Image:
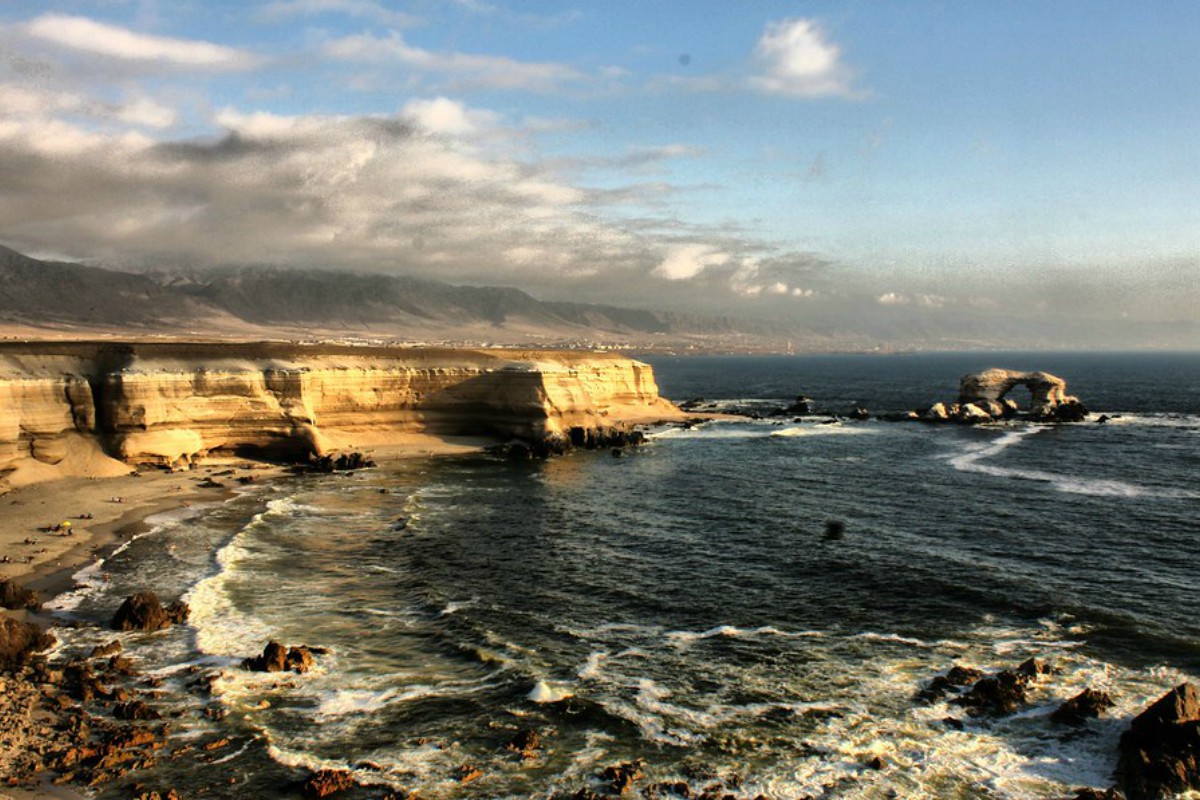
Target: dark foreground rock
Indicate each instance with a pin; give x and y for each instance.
(525, 743)
(327, 782)
(557, 444)
(1088, 704)
(277, 658)
(1160, 753)
(957, 677)
(141, 612)
(341, 463)
(19, 641)
(992, 695)
(15, 597)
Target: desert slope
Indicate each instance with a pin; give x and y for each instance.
(79, 408)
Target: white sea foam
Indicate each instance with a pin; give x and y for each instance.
(972, 461)
(290, 507)
(684, 637)
(826, 430)
(91, 577)
(550, 692)
(1186, 421)
(716, 431)
(220, 628)
(591, 668)
(454, 606)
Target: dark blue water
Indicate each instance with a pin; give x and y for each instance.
(680, 604)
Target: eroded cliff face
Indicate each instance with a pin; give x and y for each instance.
(172, 403)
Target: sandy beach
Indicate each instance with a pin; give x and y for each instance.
(52, 529)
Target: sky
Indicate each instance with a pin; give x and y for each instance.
(784, 159)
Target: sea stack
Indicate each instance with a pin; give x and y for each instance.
(982, 397)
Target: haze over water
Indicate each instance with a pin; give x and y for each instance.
(680, 605)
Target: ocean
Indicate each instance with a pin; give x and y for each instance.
(681, 604)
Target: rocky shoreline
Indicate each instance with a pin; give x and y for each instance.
(94, 720)
(91, 719)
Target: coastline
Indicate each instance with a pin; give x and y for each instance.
(25, 720)
(31, 508)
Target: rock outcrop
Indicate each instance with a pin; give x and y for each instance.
(278, 658)
(1088, 704)
(144, 612)
(15, 597)
(19, 641)
(982, 397)
(1160, 753)
(94, 408)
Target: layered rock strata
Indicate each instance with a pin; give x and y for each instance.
(88, 408)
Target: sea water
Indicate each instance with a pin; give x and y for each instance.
(681, 604)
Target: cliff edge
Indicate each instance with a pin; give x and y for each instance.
(80, 408)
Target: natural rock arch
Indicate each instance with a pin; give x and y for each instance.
(993, 384)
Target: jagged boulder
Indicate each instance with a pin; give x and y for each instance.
(1088, 704)
(1004, 692)
(1160, 753)
(972, 413)
(935, 413)
(141, 612)
(620, 778)
(177, 612)
(19, 641)
(326, 782)
(957, 676)
(341, 463)
(15, 597)
(277, 658)
(802, 407)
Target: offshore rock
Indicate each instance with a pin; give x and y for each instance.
(525, 743)
(1160, 753)
(277, 658)
(1088, 704)
(141, 612)
(326, 782)
(1049, 400)
(1004, 692)
(802, 407)
(981, 398)
(621, 777)
(957, 676)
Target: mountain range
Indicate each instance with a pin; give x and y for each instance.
(55, 298)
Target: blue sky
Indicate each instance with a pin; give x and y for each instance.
(782, 157)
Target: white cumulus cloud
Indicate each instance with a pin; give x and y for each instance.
(689, 260)
(452, 117)
(797, 60)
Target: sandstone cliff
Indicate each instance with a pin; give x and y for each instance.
(95, 408)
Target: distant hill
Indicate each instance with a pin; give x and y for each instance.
(35, 292)
(66, 299)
